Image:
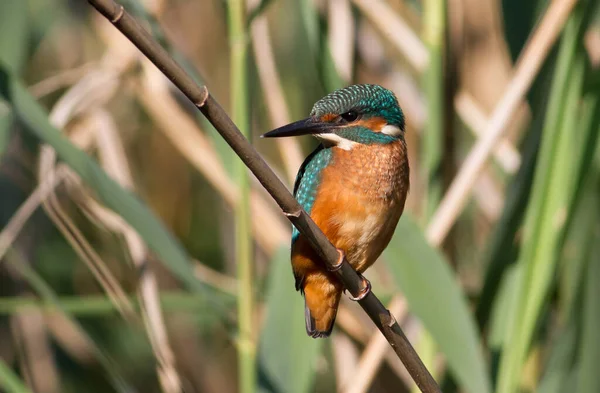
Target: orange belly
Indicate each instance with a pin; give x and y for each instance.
(360, 199)
(359, 227)
(357, 206)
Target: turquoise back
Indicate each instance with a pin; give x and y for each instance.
(308, 180)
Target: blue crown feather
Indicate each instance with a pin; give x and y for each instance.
(369, 100)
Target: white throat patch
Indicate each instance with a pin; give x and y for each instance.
(334, 139)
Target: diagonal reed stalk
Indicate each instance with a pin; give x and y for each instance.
(279, 113)
(113, 158)
(406, 41)
(526, 70)
(10, 381)
(200, 96)
(193, 144)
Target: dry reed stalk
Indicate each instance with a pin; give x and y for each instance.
(114, 161)
(397, 31)
(475, 119)
(354, 326)
(37, 364)
(77, 240)
(215, 278)
(80, 137)
(489, 197)
(19, 219)
(374, 351)
(527, 68)
(270, 82)
(183, 132)
(341, 37)
(345, 359)
(60, 80)
(95, 88)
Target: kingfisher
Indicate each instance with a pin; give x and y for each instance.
(353, 185)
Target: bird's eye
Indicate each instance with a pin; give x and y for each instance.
(349, 116)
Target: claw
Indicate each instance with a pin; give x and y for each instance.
(364, 291)
(339, 262)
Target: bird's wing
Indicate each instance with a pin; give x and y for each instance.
(305, 187)
(302, 169)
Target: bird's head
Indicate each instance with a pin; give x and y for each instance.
(363, 114)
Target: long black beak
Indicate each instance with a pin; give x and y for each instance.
(301, 127)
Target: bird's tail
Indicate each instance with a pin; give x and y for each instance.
(321, 301)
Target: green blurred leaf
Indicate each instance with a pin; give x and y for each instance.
(502, 249)
(560, 368)
(328, 73)
(563, 367)
(331, 79)
(45, 292)
(589, 357)
(576, 251)
(435, 297)
(434, 149)
(505, 302)
(560, 168)
(6, 120)
(9, 381)
(14, 34)
(13, 50)
(287, 355)
(29, 112)
(310, 21)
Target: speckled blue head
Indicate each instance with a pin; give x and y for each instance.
(365, 114)
(367, 101)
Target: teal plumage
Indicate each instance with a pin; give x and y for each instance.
(364, 136)
(308, 179)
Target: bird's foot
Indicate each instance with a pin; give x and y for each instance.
(339, 262)
(366, 289)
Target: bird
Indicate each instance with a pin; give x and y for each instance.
(353, 185)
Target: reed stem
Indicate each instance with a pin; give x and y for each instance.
(243, 236)
(433, 136)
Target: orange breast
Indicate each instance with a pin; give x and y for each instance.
(361, 198)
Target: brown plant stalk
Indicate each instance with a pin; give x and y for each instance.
(200, 96)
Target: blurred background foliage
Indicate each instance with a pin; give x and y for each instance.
(137, 255)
